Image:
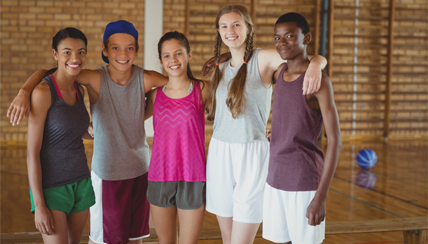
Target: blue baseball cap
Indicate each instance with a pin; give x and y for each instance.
(120, 26)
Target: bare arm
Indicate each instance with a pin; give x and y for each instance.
(153, 79)
(204, 91)
(316, 210)
(89, 135)
(20, 105)
(40, 101)
(91, 79)
(269, 60)
(148, 111)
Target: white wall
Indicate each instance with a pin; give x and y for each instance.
(153, 31)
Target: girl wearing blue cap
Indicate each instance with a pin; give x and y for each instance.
(60, 181)
(121, 154)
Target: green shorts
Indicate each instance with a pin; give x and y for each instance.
(71, 198)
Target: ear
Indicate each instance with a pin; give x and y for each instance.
(104, 51)
(190, 55)
(307, 38)
(55, 54)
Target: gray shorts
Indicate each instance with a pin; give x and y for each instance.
(183, 194)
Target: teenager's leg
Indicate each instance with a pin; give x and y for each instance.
(60, 231)
(225, 224)
(139, 241)
(244, 232)
(75, 225)
(165, 221)
(190, 224)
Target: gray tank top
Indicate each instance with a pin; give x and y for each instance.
(62, 155)
(251, 124)
(120, 148)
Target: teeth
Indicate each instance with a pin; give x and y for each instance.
(231, 38)
(122, 62)
(174, 67)
(73, 66)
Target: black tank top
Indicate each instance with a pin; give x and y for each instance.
(62, 155)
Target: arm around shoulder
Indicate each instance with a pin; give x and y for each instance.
(20, 105)
(153, 79)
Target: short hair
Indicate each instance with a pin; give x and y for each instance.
(297, 18)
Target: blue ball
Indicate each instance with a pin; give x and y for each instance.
(366, 158)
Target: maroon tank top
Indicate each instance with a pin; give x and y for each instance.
(296, 162)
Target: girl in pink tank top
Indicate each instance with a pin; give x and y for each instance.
(177, 166)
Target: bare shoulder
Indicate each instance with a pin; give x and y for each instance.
(326, 90)
(325, 80)
(42, 89)
(41, 95)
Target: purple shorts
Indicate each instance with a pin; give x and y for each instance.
(121, 212)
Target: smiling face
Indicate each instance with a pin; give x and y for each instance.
(71, 55)
(233, 30)
(290, 40)
(121, 51)
(174, 58)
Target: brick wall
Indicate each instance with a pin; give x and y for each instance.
(27, 28)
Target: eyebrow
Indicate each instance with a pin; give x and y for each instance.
(117, 44)
(178, 50)
(66, 48)
(232, 22)
(288, 32)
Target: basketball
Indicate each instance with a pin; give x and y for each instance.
(366, 179)
(366, 158)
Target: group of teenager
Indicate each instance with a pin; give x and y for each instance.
(278, 176)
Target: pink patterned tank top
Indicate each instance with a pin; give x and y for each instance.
(178, 152)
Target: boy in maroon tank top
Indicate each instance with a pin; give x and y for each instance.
(299, 175)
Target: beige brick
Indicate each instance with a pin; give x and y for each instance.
(45, 16)
(44, 3)
(62, 16)
(36, 10)
(9, 3)
(127, 5)
(76, 4)
(62, 4)
(53, 10)
(111, 5)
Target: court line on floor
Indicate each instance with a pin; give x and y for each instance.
(367, 203)
(386, 194)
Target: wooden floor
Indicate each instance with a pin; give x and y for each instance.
(399, 189)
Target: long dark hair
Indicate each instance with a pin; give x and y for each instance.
(62, 35)
(180, 37)
(235, 100)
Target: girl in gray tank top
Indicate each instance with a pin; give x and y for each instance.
(58, 173)
(239, 103)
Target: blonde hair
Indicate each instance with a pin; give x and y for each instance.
(235, 100)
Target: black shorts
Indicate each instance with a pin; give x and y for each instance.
(183, 194)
